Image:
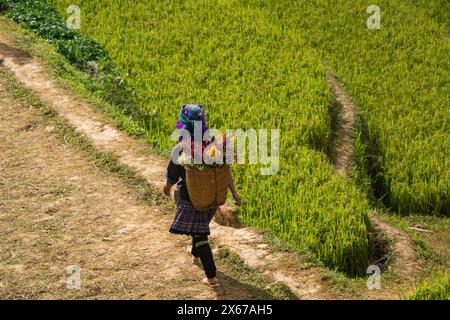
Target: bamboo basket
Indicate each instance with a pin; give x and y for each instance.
(208, 187)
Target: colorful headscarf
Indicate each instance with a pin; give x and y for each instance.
(189, 113)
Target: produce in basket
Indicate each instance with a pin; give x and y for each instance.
(207, 182)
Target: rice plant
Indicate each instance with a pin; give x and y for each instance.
(437, 287)
(398, 76)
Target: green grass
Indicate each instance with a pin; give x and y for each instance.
(432, 249)
(398, 76)
(431, 245)
(244, 69)
(435, 288)
(250, 72)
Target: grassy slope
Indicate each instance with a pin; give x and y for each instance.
(409, 161)
(435, 288)
(407, 132)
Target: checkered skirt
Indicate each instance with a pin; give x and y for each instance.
(191, 221)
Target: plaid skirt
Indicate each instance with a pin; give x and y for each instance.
(191, 221)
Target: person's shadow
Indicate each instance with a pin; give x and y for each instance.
(232, 289)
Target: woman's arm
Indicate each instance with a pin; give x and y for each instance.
(173, 175)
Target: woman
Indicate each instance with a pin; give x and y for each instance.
(188, 220)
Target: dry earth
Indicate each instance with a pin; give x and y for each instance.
(57, 209)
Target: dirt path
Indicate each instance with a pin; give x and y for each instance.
(405, 262)
(249, 245)
(343, 125)
(405, 259)
(57, 209)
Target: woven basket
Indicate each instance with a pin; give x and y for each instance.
(207, 187)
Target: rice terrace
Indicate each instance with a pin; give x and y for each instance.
(328, 123)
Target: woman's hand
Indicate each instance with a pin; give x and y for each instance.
(237, 198)
(166, 189)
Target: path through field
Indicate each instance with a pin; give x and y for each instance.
(405, 262)
(59, 210)
(280, 266)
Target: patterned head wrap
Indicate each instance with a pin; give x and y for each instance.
(189, 113)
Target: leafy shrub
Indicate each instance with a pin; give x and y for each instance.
(40, 17)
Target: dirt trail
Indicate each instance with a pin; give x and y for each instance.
(343, 122)
(248, 244)
(57, 209)
(405, 260)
